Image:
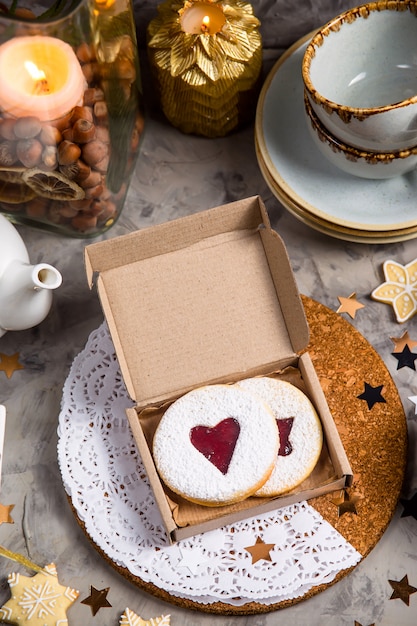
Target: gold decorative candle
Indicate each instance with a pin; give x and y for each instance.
(206, 59)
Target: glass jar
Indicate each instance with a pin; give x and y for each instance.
(71, 114)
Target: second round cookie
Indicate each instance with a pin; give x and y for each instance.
(301, 435)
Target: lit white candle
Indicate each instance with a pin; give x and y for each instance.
(202, 18)
(39, 76)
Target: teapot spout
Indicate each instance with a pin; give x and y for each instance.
(45, 276)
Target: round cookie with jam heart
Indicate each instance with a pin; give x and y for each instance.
(301, 435)
(216, 445)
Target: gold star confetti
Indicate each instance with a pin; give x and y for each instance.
(129, 618)
(401, 342)
(260, 550)
(10, 363)
(399, 289)
(97, 599)
(346, 503)
(349, 305)
(38, 600)
(5, 510)
(402, 590)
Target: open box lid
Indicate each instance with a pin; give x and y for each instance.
(205, 298)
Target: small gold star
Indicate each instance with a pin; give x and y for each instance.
(260, 550)
(402, 589)
(97, 599)
(346, 503)
(349, 305)
(10, 363)
(401, 342)
(5, 510)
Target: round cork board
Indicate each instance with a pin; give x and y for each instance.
(375, 441)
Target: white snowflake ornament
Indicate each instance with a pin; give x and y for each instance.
(129, 618)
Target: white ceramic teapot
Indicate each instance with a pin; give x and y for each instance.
(25, 289)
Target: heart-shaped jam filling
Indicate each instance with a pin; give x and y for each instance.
(217, 443)
(284, 428)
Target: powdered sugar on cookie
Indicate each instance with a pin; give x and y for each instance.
(216, 445)
(302, 431)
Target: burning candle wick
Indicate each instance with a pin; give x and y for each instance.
(41, 87)
(40, 84)
(205, 25)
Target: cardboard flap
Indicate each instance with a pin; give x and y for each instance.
(170, 236)
(199, 300)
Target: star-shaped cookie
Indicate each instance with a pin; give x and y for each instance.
(129, 618)
(38, 600)
(399, 289)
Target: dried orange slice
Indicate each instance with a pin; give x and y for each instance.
(53, 185)
(12, 174)
(15, 193)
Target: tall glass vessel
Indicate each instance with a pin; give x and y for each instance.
(71, 114)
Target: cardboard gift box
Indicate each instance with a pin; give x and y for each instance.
(208, 298)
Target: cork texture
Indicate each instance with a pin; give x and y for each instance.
(375, 440)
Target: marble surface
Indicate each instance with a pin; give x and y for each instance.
(177, 175)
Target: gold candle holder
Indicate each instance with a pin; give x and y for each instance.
(206, 59)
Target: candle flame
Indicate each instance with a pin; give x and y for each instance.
(40, 84)
(205, 25)
(34, 71)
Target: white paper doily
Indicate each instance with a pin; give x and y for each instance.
(106, 481)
